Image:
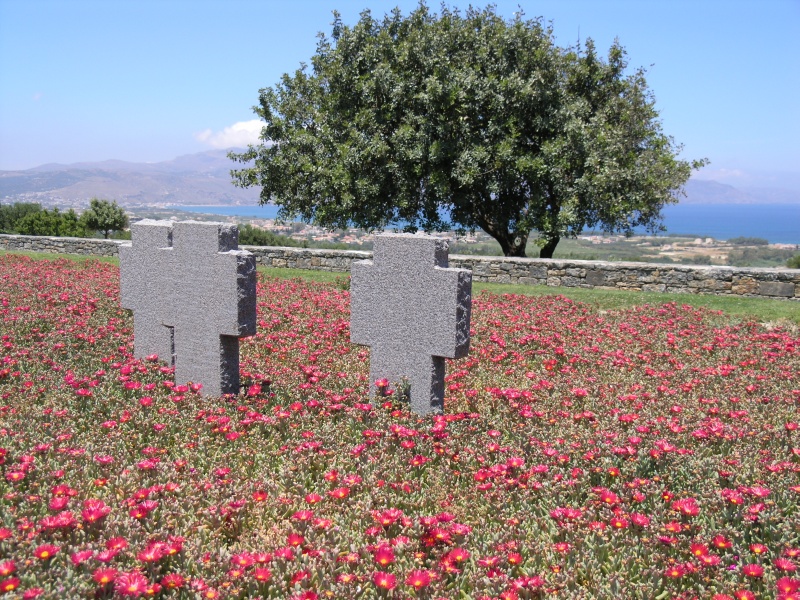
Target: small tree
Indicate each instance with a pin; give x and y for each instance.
(11, 214)
(53, 223)
(104, 216)
(468, 121)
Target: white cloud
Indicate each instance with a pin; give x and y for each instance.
(237, 135)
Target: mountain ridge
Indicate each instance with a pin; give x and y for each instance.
(203, 178)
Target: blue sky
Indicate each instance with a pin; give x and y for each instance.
(150, 80)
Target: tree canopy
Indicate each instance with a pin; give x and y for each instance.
(464, 121)
(104, 216)
(51, 222)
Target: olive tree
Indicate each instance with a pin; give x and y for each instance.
(465, 121)
(104, 216)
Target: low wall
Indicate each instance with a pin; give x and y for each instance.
(647, 277)
(59, 245)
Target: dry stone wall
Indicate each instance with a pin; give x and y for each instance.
(59, 245)
(648, 277)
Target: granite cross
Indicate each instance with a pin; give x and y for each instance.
(413, 311)
(193, 294)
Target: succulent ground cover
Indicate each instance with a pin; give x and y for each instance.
(644, 453)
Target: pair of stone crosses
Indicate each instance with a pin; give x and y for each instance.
(193, 293)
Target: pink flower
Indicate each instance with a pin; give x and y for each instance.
(46, 551)
(9, 585)
(173, 581)
(385, 581)
(104, 576)
(687, 507)
(419, 579)
(384, 556)
(131, 584)
(753, 570)
(787, 585)
(81, 557)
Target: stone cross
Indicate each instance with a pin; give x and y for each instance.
(193, 294)
(413, 311)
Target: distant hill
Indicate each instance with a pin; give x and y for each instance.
(702, 191)
(204, 179)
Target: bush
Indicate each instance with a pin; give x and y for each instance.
(748, 241)
(763, 256)
(11, 214)
(794, 262)
(255, 236)
(51, 222)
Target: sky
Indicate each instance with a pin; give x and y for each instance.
(151, 80)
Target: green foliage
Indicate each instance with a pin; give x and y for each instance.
(759, 256)
(255, 236)
(104, 216)
(52, 223)
(794, 262)
(748, 241)
(11, 214)
(411, 118)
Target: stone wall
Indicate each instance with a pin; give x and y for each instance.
(648, 277)
(59, 245)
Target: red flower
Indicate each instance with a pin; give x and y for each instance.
(784, 564)
(674, 572)
(46, 551)
(9, 585)
(154, 552)
(243, 559)
(81, 557)
(339, 493)
(384, 555)
(458, 555)
(753, 570)
(787, 585)
(687, 507)
(104, 576)
(618, 523)
(419, 579)
(295, 539)
(721, 542)
(262, 574)
(173, 581)
(710, 560)
(131, 584)
(385, 581)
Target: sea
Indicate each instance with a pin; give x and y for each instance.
(777, 223)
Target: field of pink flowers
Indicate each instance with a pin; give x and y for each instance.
(649, 453)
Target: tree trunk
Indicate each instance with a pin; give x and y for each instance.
(549, 247)
(512, 244)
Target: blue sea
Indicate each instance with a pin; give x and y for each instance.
(778, 223)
